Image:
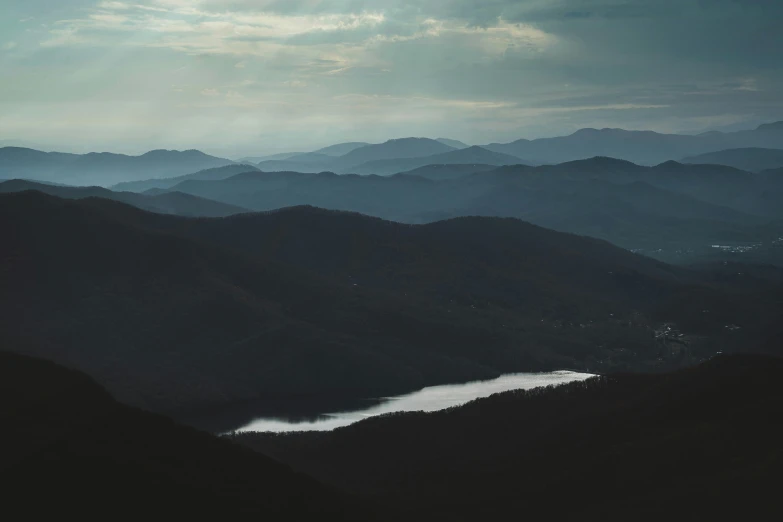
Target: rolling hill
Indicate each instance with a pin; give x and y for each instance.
(103, 168)
(445, 172)
(643, 147)
(66, 440)
(341, 149)
(392, 149)
(673, 211)
(471, 156)
(216, 173)
(453, 143)
(176, 314)
(749, 159)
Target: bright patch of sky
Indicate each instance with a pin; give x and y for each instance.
(246, 77)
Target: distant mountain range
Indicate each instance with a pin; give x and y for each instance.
(751, 159)
(453, 143)
(470, 156)
(439, 172)
(398, 155)
(102, 168)
(642, 147)
(673, 211)
(213, 174)
(341, 149)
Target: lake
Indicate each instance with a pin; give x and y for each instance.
(432, 398)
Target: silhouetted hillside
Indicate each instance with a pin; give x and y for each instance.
(176, 314)
(470, 155)
(69, 448)
(102, 168)
(171, 324)
(166, 203)
(673, 211)
(643, 147)
(444, 172)
(216, 173)
(696, 444)
(750, 159)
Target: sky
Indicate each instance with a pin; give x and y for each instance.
(245, 77)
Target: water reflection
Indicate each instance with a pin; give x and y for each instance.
(428, 399)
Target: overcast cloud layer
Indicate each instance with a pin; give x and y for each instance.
(246, 77)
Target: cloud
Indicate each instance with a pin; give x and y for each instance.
(494, 69)
(63, 37)
(8, 46)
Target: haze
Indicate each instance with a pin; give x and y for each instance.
(245, 77)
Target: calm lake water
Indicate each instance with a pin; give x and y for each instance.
(428, 399)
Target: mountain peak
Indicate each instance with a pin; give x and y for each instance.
(670, 163)
(166, 152)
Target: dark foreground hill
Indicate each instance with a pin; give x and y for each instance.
(175, 314)
(699, 444)
(68, 449)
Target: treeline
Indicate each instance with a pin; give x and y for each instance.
(698, 443)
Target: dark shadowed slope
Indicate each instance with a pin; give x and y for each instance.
(177, 203)
(171, 324)
(750, 159)
(308, 302)
(504, 270)
(216, 173)
(69, 448)
(470, 155)
(700, 444)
